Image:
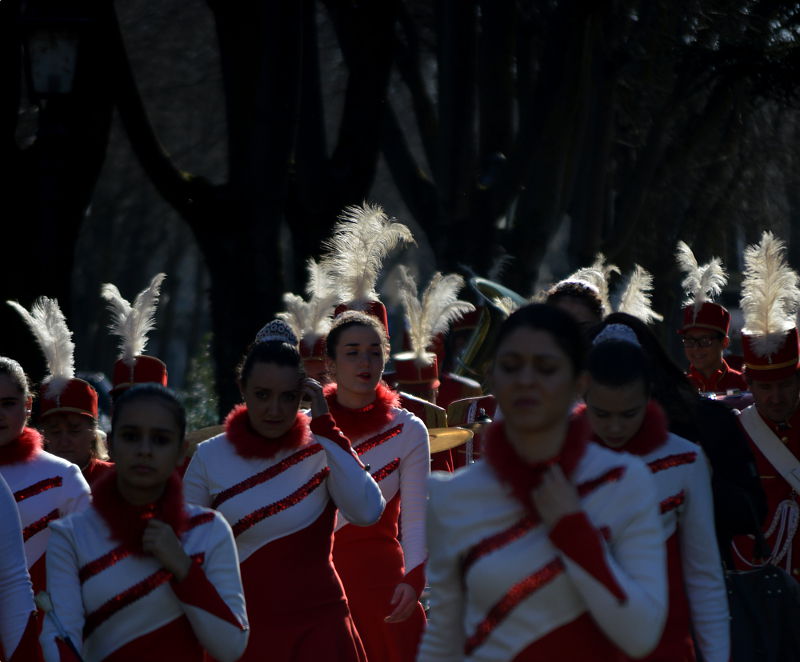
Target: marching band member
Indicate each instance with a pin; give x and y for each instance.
(770, 294)
(18, 628)
(551, 546)
(624, 418)
(132, 321)
(584, 293)
(141, 574)
(706, 325)
(279, 476)
(45, 486)
(383, 579)
(382, 566)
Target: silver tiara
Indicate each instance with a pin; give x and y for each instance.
(276, 331)
(617, 332)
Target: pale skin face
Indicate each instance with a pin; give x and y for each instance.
(146, 447)
(358, 366)
(272, 394)
(616, 413)
(776, 401)
(70, 436)
(705, 359)
(14, 410)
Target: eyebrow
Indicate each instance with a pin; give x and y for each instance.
(358, 344)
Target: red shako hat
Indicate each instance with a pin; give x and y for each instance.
(701, 284)
(770, 295)
(132, 322)
(60, 391)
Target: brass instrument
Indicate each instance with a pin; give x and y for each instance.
(474, 359)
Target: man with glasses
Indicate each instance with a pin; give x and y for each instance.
(704, 346)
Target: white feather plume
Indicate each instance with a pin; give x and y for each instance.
(770, 294)
(635, 298)
(49, 327)
(702, 282)
(596, 277)
(132, 321)
(362, 238)
(311, 319)
(432, 315)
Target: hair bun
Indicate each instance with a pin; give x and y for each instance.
(277, 331)
(617, 332)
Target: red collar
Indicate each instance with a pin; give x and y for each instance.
(249, 444)
(126, 521)
(651, 435)
(522, 476)
(23, 448)
(359, 423)
(710, 383)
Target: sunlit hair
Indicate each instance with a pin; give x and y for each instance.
(575, 290)
(150, 391)
(566, 332)
(16, 374)
(349, 319)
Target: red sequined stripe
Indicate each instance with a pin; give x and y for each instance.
(497, 541)
(118, 553)
(378, 439)
(38, 488)
(294, 498)
(267, 474)
(671, 461)
(105, 561)
(515, 595)
(128, 597)
(610, 476)
(383, 472)
(39, 525)
(671, 503)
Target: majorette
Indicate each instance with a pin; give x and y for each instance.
(132, 322)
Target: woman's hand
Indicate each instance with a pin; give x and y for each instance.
(555, 497)
(403, 600)
(160, 540)
(312, 390)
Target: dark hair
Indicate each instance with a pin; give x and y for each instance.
(671, 388)
(150, 391)
(566, 332)
(272, 351)
(16, 374)
(618, 363)
(574, 290)
(349, 319)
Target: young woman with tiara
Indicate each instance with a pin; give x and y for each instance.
(550, 548)
(623, 417)
(141, 575)
(279, 476)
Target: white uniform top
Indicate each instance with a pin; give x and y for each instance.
(106, 597)
(683, 485)
(16, 594)
(267, 499)
(399, 460)
(45, 487)
(500, 583)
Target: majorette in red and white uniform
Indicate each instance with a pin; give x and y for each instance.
(503, 587)
(280, 497)
(116, 603)
(697, 597)
(45, 488)
(18, 626)
(372, 561)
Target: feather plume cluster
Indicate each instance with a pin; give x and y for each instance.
(311, 319)
(433, 314)
(362, 239)
(49, 327)
(132, 321)
(596, 277)
(702, 282)
(770, 294)
(635, 296)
